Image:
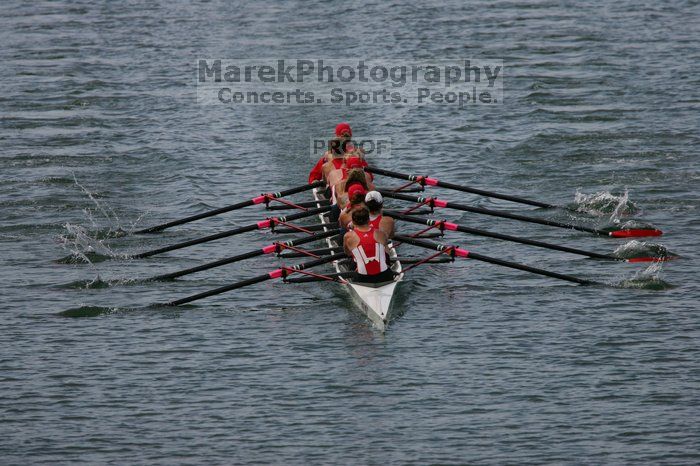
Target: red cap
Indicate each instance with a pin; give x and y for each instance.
(353, 162)
(343, 128)
(355, 190)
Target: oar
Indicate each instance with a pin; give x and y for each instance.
(244, 229)
(278, 273)
(256, 200)
(296, 205)
(458, 252)
(269, 249)
(444, 225)
(435, 202)
(423, 180)
(308, 252)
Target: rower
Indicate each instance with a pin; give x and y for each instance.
(368, 248)
(375, 202)
(335, 170)
(354, 176)
(342, 130)
(356, 198)
(336, 174)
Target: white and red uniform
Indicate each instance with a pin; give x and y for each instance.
(369, 255)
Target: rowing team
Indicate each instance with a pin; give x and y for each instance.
(357, 207)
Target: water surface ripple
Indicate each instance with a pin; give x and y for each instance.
(100, 131)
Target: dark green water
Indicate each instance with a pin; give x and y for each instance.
(100, 131)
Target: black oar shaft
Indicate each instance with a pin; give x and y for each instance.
(466, 189)
(527, 268)
(193, 218)
(254, 280)
(514, 239)
(193, 242)
(221, 210)
(493, 260)
(209, 265)
(493, 213)
(236, 231)
(243, 256)
(308, 252)
(315, 227)
(223, 289)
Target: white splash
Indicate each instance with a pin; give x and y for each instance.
(107, 211)
(79, 243)
(604, 203)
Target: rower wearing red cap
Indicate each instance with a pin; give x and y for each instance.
(334, 170)
(342, 132)
(356, 197)
(342, 141)
(355, 176)
(356, 200)
(368, 247)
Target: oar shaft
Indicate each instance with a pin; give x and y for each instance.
(527, 268)
(466, 189)
(260, 278)
(489, 234)
(246, 255)
(193, 242)
(492, 260)
(193, 218)
(224, 234)
(222, 289)
(494, 213)
(221, 210)
(308, 252)
(210, 265)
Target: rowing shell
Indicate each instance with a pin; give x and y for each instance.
(375, 300)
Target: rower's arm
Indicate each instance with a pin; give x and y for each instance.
(350, 241)
(370, 184)
(345, 219)
(316, 173)
(387, 225)
(342, 199)
(381, 237)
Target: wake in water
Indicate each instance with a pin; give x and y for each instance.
(88, 311)
(84, 248)
(639, 249)
(647, 279)
(115, 228)
(86, 244)
(615, 223)
(99, 283)
(96, 311)
(604, 203)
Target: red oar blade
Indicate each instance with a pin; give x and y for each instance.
(652, 259)
(635, 233)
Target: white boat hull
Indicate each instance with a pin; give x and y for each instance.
(375, 301)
